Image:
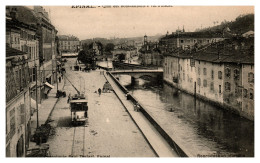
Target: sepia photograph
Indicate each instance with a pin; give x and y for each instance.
(100, 81)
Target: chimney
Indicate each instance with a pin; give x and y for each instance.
(13, 13)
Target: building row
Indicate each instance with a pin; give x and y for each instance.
(31, 67)
(221, 72)
(215, 66)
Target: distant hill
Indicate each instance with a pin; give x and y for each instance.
(242, 24)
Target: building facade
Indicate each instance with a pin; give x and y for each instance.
(150, 54)
(17, 103)
(189, 40)
(21, 65)
(47, 49)
(31, 49)
(222, 73)
(69, 44)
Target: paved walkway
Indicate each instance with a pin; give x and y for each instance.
(159, 144)
(44, 110)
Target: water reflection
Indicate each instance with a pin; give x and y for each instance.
(200, 127)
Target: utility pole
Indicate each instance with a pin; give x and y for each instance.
(37, 114)
(57, 74)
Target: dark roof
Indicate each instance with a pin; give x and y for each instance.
(67, 38)
(207, 34)
(25, 15)
(13, 52)
(235, 50)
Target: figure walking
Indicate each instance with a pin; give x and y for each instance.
(68, 101)
(99, 91)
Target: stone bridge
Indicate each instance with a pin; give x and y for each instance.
(135, 74)
(127, 66)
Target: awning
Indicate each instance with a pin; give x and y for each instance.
(49, 75)
(32, 84)
(49, 85)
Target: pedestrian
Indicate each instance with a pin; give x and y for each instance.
(137, 107)
(59, 79)
(62, 75)
(127, 96)
(99, 91)
(68, 98)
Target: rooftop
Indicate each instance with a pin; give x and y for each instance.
(22, 14)
(207, 34)
(67, 38)
(235, 50)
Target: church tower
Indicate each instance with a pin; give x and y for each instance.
(145, 40)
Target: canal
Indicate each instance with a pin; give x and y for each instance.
(202, 128)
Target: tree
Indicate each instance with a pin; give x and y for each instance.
(109, 47)
(82, 56)
(121, 57)
(85, 47)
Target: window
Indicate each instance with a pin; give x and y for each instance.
(192, 62)
(182, 41)
(198, 70)
(236, 74)
(204, 83)
(227, 72)
(199, 82)
(212, 74)
(227, 86)
(212, 86)
(250, 77)
(251, 94)
(219, 75)
(219, 89)
(204, 71)
(34, 74)
(245, 93)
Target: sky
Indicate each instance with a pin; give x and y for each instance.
(86, 23)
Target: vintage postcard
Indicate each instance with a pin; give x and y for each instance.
(129, 81)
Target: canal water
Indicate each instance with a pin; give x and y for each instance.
(199, 127)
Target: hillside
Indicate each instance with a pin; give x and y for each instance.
(242, 24)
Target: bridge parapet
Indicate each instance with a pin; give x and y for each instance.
(128, 66)
(138, 73)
